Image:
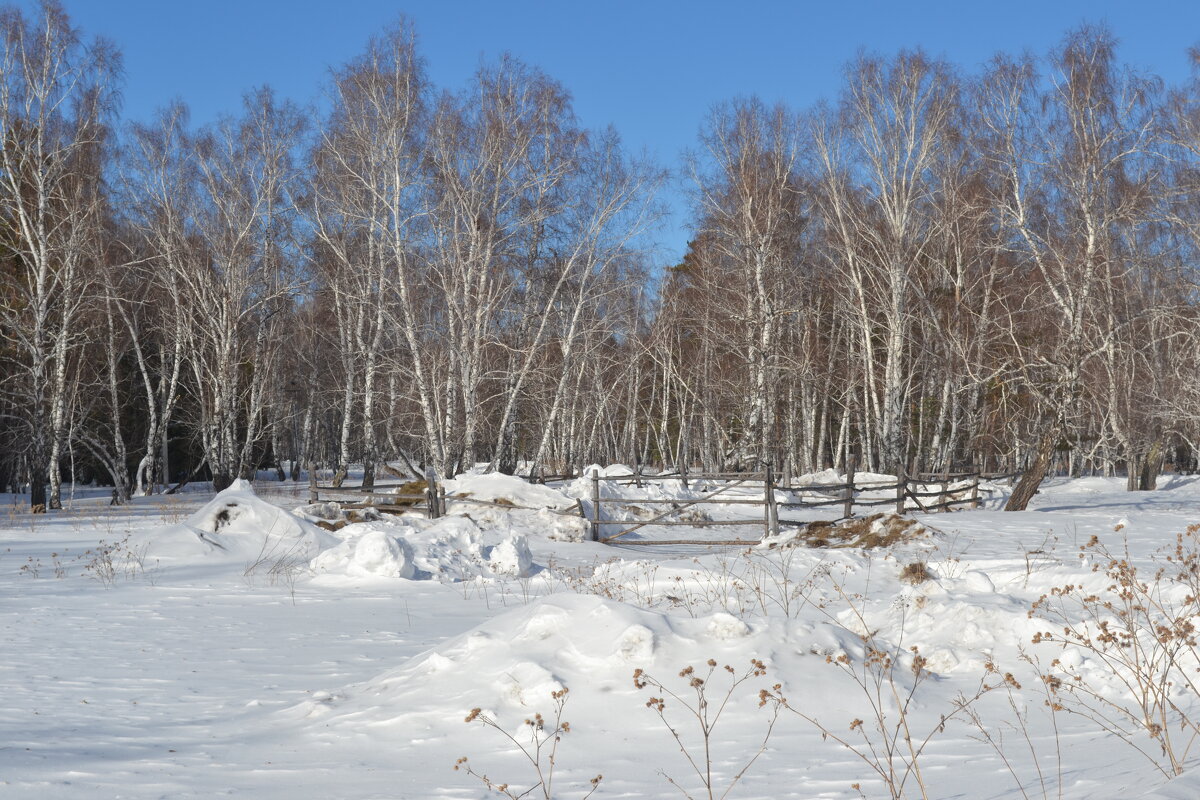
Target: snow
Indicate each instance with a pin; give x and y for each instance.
(507, 489)
(226, 645)
(371, 553)
(234, 525)
(453, 548)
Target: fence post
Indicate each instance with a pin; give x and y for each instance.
(945, 498)
(595, 505)
(848, 507)
(770, 512)
(901, 486)
(975, 491)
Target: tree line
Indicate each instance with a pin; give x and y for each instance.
(933, 269)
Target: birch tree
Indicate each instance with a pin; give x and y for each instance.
(56, 97)
(877, 158)
(751, 202)
(159, 196)
(1067, 157)
(239, 295)
(365, 211)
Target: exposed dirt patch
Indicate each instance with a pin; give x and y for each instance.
(223, 517)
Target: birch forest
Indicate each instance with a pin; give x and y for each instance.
(935, 268)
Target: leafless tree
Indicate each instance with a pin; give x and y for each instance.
(1067, 156)
(55, 102)
(238, 294)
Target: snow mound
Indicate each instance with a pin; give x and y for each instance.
(868, 478)
(825, 477)
(656, 489)
(374, 553)
(506, 490)
(328, 511)
(450, 549)
(957, 620)
(511, 557)
(237, 524)
(511, 663)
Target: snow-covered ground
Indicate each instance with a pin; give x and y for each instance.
(237, 646)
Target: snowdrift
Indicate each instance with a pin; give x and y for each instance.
(449, 549)
(509, 665)
(506, 490)
(236, 525)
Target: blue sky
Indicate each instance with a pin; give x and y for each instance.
(651, 68)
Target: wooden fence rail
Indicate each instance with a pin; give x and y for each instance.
(951, 489)
(431, 501)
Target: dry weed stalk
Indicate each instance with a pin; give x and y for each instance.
(1140, 628)
(615, 579)
(751, 582)
(281, 566)
(889, 677)
(108, 561)
(915, 573)
(993, 736)
(541, 751)
(887, 743)
(706, 711)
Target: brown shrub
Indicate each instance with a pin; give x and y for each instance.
(877, 530)
(915, 573)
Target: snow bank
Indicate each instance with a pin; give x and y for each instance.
(825, 477)
(474, 540)
(449, 549)
(511, 663)
(665, 489)
(525, 509)
(388, 698)
(507, 489)
(236, 524)
(371, 554)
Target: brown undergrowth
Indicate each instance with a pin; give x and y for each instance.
(877, 530)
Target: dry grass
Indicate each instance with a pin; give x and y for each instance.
(915, 573)
(877, 530)
(349, 517)
(411, 493)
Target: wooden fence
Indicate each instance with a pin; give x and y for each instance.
(390, 498)
(951, 490)
(929, 492)
(431, 501)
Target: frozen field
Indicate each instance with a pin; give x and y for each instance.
(227, 646)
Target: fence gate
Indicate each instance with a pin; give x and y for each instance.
(762, 517)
